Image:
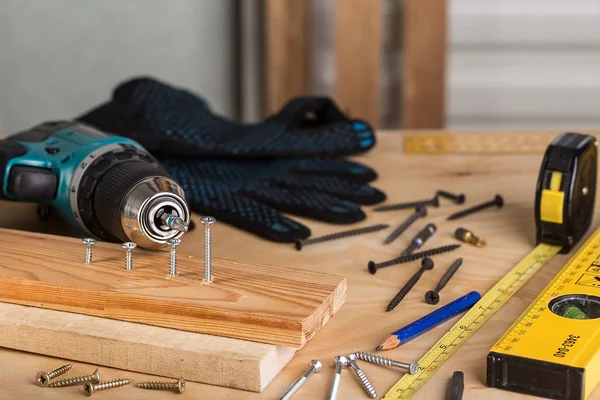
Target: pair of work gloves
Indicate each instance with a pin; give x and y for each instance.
(249, 175)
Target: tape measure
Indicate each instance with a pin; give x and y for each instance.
(478, 142)
(564, 206)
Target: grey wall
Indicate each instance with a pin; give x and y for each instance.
(59, 58)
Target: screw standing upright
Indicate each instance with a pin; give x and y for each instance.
(173, 242)
(207, 221)
(89, 242)
(128, 246)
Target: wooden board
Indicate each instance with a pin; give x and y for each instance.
(153, 350)
(262, 303)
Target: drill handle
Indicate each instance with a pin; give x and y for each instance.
(9, 149)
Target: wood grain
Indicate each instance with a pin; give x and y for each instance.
(358, 48)
(287, 51)
(424, 64)
(262, 303)
(362, 322)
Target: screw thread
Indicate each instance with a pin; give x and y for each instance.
(59, 371)
(154, 385)
(414, 256)
(373, 358)
(88, 254)
(448, 275)
(364, 381)
(294, 388)
(207, 254)
(339, 235)
(405, 206)
(173, 262)
(74, 381)
(113, 383)
(128, 261)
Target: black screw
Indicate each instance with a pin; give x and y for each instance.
(457, 198)
(373, 267)
(419, 239)
(433, 296)
(420, 211)
(339, 235)
(435, 202)
(426, 264)
(498, 202)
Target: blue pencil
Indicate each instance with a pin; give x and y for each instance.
(429, 321)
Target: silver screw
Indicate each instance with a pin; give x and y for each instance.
(43, 378)
(89, 242)
(128, 246)
(173, 260)
(340, 362)
(94, 377)
(90, 388)
(313, 366)
(177, 386)
(412, 367)
(362, 378)
(207, 221)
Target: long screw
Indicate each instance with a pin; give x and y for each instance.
(433, 296)
(207, 221)
(90, 388)
(412, 367)
(128, 246)
(89, 242)
(420, 212)
(300, 243)
(173, 242)
(177, 386)
(340, 362)
(435, 202)
(426, 264)
(498, 202)
(419, 239)
(313, 366)
(373, 266)
(362, 378)
(457, 198)
(43, 378)
(93, 377)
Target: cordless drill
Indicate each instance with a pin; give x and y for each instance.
(108, 186)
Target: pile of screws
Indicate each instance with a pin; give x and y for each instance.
(92, 383)
(341, 362)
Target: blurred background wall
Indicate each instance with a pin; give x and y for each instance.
(509, 64)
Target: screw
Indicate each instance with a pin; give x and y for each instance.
(498, 202)
(435, 202)
(469, 237)
(174, 242)
(373, 266)
(313, 366)
(420, 211)
(433, 296)
(340, 362)
(457, 198)
(128, 246)
(362, 378)
(94, 377)
(178, 386)
(43, 378)
(457, 386)
(419, 239)
(412, 367)
(90, 388)
(207, 221)
(426, 264)
(89, 242)
(300, 243)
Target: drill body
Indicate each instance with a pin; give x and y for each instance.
(109, 186)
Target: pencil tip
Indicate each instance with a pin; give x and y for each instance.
(378, 348)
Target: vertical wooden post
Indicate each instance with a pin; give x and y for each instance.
(358, 46)
(287, 33)
(424, 69)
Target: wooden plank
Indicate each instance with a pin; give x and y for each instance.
(358, 46)
(424, 64)
(262, 303)
(153, 350)
(287, 51)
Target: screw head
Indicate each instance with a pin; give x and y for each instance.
(427, 263)
(298, 244)
(207, 220)
(435, 201)
(499, 201)
(316, 364)
(95, 376)
(88, 389)
(414, 367)
(42, 379)
(129, 245)
(461, 199)
(174, 242)
(372, 267)
(340, 360)
(181, 385)
(352, 358)
(432, 297)
(89, 241)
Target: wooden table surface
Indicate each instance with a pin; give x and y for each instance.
(362, 323)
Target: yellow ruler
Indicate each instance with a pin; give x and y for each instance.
(438, 142)
(491, 302)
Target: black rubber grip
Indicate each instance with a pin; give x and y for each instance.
(113, 187)
(9, 149)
